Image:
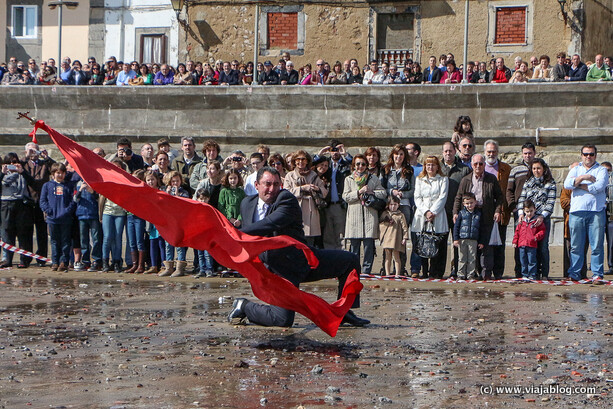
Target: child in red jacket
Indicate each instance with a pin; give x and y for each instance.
(526, 237)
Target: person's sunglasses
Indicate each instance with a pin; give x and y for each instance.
(588, 153)
(479, 164)
(466, 145)
(361, 164)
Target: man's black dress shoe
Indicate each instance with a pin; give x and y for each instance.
(353, 320)
(237, 309)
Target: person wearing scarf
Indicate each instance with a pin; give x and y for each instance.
(362, 223)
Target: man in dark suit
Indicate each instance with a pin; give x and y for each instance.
(487, 190)
(275, 212)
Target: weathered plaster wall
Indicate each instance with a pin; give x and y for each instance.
(341, 32)
(75, 32)
(598, 36)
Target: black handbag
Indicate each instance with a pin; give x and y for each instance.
(370, 200)
(427, 242)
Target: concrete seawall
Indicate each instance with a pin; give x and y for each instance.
(302, 116)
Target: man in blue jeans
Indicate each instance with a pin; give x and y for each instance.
(588, 182)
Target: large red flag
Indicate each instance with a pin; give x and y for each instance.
(187, 223)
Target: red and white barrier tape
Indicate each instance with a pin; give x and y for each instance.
(506, 280)
(17, 250)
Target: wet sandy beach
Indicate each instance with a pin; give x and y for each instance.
(94, 340)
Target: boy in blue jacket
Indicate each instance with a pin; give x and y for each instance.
(89, 225)
(56, 201)
(467, 236)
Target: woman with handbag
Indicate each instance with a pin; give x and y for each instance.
(310, 190)
(431, 188)
(362, 224)
(398, 180)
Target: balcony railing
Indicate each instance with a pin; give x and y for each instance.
(398, 57)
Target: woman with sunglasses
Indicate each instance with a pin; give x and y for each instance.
(47, 76)
(540, 187)
(95, 76)
(304, 183)
(362, 223)
(276, 161)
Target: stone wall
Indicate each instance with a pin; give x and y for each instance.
(379, 115)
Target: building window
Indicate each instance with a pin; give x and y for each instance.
(510, 25)
(153, 48)
(24, 21)
(395, 37)
(283, 30)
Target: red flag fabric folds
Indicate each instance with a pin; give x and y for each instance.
(187, 223)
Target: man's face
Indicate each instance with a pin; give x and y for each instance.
(346, 66)
(478, 165)
(413, 154)
(491, 153)
(281, 65)
(51, 62)
(147, 151)
(211, 153)
(164, 69)
(122, 151)
(588, 156)
(607, 61)
(190, 66)
(268, 187)
(32, 151)
(188, 148)
(534, 61)
(467, 148)
(528, 155)
(226, 67)
(320, 65)
(385, 68)
(374, 67)
(448, 153)
(432, 61)
(599, 60)
(289, 67)
(499, 63)
(576, 60)
(256, 164)
(268, 68)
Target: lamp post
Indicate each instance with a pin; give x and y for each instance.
(60, 5)
(177, 6)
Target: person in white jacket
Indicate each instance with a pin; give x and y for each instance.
(431, 187)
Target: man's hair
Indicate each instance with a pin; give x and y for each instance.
(58, 167)
(187, 138)
(589, 146)
(528, 203)
(491, 141)
(124, 141)
(211, 144)
(268, 169)
(606, 164)
(163, 141)
(528, 145)
(450, 144)
(416, 147)
(468, 195)
(334, 142)
(257, 155)
(264, 147)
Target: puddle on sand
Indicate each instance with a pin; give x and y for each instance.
(143, 344)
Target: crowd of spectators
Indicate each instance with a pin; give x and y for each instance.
(356, 200)
(284, 72)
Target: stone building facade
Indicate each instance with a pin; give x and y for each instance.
(394, 30)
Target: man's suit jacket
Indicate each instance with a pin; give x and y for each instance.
(492, 198)
(284, 217)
